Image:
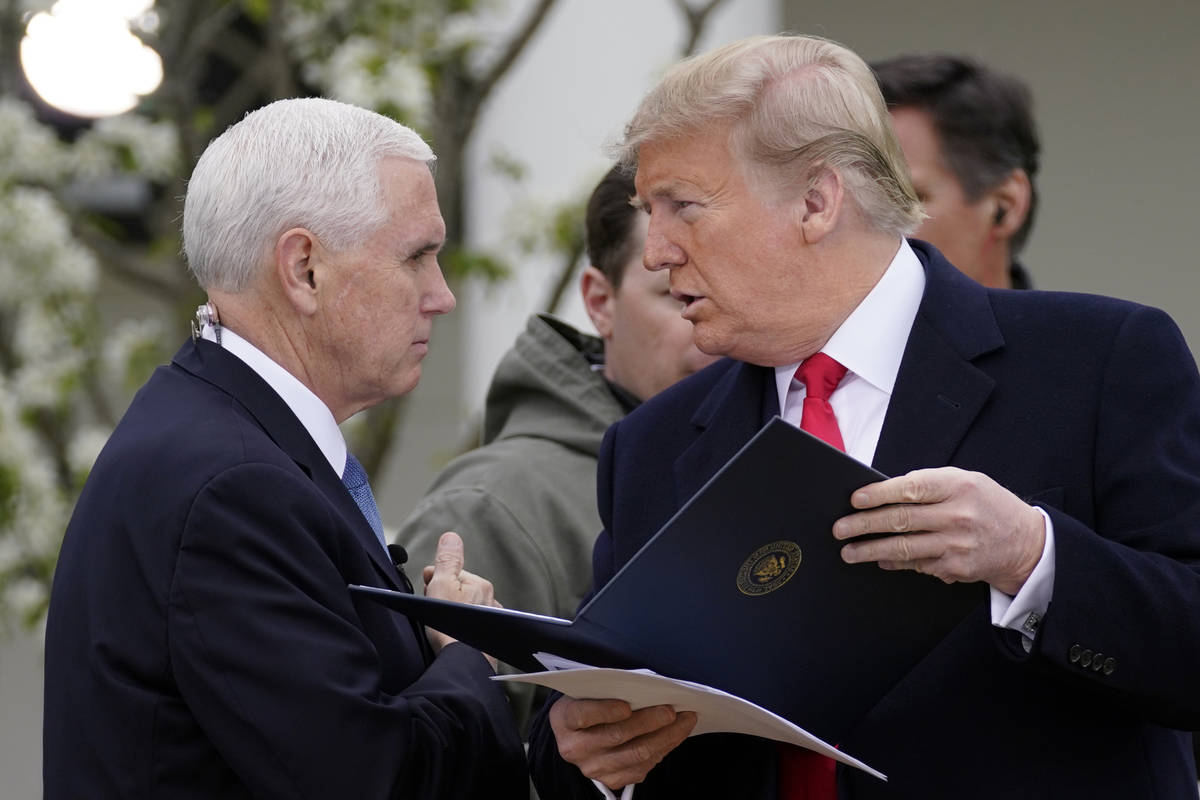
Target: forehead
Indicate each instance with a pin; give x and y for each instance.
(917, 135)
(696, 160)
(411, 198)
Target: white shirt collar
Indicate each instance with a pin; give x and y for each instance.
(870, 342)
(313, 414)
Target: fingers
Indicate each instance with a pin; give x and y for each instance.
(888, 519)
(946, 522)
(907, 549)
(569, 714)
(447, 580)
(463, 587)
(449, 556)
(919, 486)
(612, 744)
(918, 501)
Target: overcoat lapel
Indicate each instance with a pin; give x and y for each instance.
(738, 406)
(939, 391)
(212, 364)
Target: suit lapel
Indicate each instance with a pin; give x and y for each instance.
(212, 364)
(737, 407)
(939, 391)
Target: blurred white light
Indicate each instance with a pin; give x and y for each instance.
(81, 58)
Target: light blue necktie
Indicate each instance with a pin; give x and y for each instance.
(355, 478)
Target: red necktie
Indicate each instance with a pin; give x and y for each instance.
(820, 375)
(803, 774)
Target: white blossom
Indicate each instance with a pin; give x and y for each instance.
(85, 445)
(128, 339)
(29, 151)
(362, 72)
(462, 30)
(38, 254)
(73, 269)
(11, 554)
(152, 147)
(45, 524)
(92, 157)
(25, 595)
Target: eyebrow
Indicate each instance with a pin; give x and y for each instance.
(431, 246)
(668, 189)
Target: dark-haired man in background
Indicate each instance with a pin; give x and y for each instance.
(525, 502)
(969, 138)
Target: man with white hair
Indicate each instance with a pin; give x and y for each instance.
(202, 640)
(1044, 445)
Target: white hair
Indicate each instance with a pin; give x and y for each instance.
(304, 162)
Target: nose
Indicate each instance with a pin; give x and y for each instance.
(660, 252)
(437, 297)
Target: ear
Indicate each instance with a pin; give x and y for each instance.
(1011, 198)
(822, 205)
(296, 257)
(598, 298)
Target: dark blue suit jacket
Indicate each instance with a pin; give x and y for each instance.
(1087, 406)
(202, 642)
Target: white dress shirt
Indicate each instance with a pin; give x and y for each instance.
(313, 414)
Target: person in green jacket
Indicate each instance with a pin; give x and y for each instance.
(525, 501)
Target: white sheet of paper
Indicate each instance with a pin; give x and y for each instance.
(716, 711)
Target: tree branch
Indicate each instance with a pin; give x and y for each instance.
(128, 265)
(483, 87)
(697, 19)
(566, 272)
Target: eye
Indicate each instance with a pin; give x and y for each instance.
(424, 255)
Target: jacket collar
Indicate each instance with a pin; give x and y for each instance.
(939, 390)
(210, 363)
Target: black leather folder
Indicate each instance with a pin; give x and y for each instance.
(744, 590)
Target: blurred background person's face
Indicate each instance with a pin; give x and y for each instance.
(647, 344)
(961, 228)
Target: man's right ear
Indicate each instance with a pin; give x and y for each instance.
(296, 255)
(598, 297)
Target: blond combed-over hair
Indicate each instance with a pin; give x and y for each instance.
(796, 105)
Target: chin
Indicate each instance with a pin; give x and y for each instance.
(407, 384)
(712, 346)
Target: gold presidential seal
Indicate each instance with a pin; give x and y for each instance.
(768, 568)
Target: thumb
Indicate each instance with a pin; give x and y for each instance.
(448, 560)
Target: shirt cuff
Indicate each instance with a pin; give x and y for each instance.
(1024, 612)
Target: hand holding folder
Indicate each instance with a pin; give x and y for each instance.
(760, 605)
(716, 711)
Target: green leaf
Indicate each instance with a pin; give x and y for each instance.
(463, 263)
(507, 165)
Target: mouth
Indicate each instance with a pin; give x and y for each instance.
(688, 300)
(684, 297)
